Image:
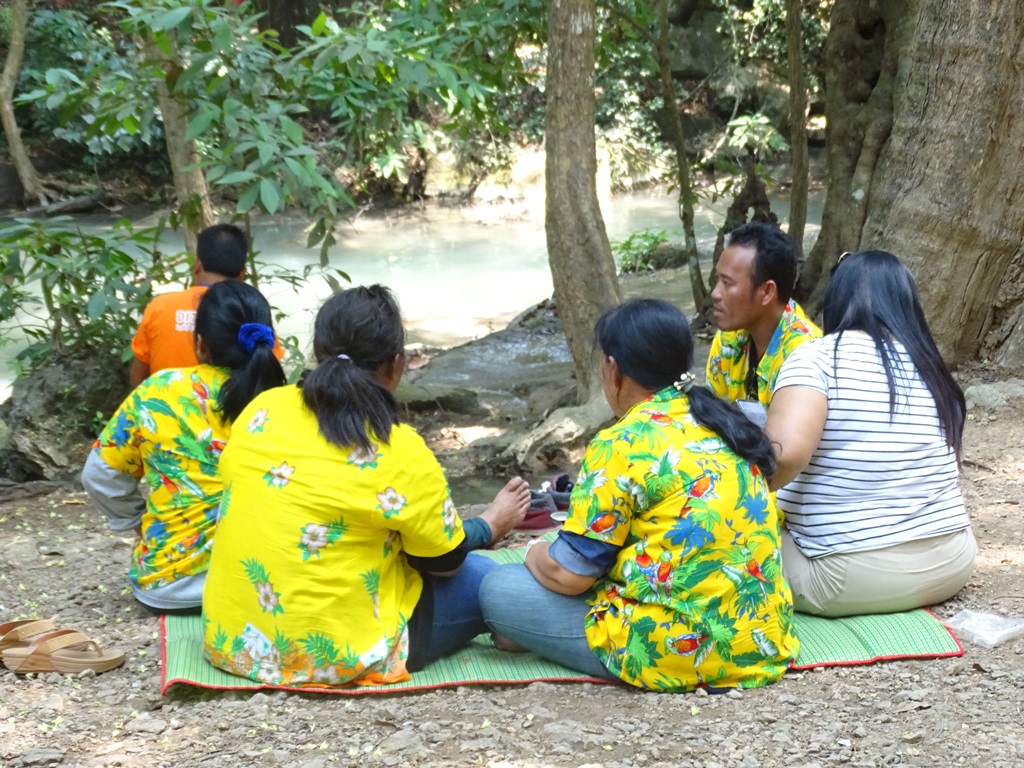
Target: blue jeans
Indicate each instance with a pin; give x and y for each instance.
(448, 613)
(551, 625)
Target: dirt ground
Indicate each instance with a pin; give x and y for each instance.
(58, 559)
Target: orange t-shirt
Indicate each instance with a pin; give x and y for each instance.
(164, 339)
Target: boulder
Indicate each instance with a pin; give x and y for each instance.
(52, 412)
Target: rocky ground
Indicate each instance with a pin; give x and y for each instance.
(57, 559)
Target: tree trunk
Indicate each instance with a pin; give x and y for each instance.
(663, 53)
(283, 16)
(194, 204)
(30, 184)
(924, 161)
(797, 125)
(948, 197)
(862, 54)
(580, 256)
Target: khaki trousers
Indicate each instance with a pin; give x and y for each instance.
(897, 578)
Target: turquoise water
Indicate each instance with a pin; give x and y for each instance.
(458, 272)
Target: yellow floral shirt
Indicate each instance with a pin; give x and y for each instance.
(696, 595)
(308, 583)
(168, 432)
(729, 358)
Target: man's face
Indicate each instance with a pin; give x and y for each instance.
(737, 302)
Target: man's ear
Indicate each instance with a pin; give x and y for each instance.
(768, 293)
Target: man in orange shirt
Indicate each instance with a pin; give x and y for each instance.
(164, 338)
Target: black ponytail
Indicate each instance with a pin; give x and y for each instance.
(356, 332)
(234, 322)
(653, 345)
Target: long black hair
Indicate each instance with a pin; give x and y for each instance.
(234, 322)
(873, 292)
(356, 332)
(653, 345)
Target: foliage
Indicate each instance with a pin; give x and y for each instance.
(391, 81)
(756, 134)
(758, 32)
(72, 290)
(65, 44)
(419, 74)
(634, 253)
(629, 105)
(5, 26)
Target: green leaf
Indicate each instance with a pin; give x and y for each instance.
(248, 198)
(237, 177)
(291, 129)
(270, 195)
(172, 18)
(319, 25)
(97, 306)
(201, 122)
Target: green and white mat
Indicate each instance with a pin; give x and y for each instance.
(823, 642)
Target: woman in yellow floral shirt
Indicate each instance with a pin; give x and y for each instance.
(666, 575)
(340, 557)
(170, 432)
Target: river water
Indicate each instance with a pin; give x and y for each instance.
(459, 273)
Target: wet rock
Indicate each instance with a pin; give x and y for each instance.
(439, 397)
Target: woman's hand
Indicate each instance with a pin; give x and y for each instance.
(551, 574)
(796, 421)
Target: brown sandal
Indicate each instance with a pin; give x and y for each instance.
(18, 634)
(66, 651)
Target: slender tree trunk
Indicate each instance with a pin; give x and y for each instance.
(797, 125)
(189, 182)
(579, 254)
(663, 53)
(30, 183)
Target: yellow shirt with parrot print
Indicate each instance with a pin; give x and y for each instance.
(168, 432)
(729, 358)
(309, 583)
(696, 595)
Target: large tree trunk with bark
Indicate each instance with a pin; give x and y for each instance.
(862, 53)
(189, 181)
(946, 190)
(30, 183)
(580, 256)
(797, 125)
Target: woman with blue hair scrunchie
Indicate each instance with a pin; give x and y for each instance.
(170, 432)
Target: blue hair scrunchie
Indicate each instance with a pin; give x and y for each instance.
(250, 335)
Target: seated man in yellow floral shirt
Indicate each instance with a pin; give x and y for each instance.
(759, 323)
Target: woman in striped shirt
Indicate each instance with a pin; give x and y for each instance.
(868, 423)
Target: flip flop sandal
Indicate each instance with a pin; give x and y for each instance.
(66, 651)
(17, 634)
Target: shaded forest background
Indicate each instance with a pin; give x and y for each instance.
(227, 110)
